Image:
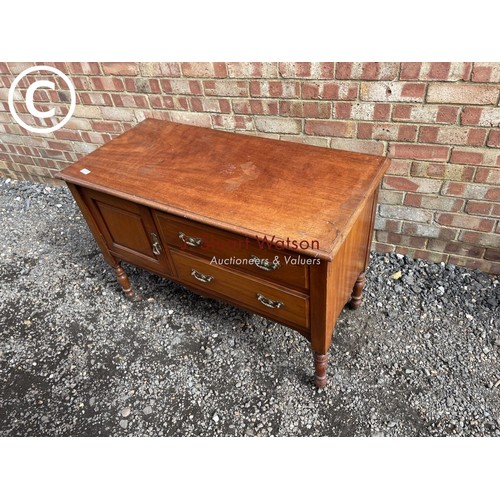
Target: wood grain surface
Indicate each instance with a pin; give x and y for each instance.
(248, 185)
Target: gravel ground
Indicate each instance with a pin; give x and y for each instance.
(419, 358)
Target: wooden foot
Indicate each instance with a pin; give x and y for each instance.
(320, 364)
(122, 278)
(357, 292)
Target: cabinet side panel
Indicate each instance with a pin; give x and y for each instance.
(332, 282)
(352, 257)
(92, 224)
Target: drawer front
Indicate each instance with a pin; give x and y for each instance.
(287, 306)
(233, 250)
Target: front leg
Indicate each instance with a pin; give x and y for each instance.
(122, 278)
(320, 365)
(357, 291)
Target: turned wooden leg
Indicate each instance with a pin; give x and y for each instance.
(320, 364)
(124, 282)
(357, 291)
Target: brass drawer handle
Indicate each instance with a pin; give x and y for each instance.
(190, 240)
(265, 264)
(205, 278)
(156, 244)
(274, 304)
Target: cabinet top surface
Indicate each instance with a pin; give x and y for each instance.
(250, 185)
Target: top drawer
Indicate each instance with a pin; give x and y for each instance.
(233, 250)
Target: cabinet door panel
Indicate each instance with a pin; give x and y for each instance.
(128, 229)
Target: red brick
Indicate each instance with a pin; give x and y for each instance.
(467, 157)
(392, 91)
(345, 91)
(233, 122)
(442, 171)
(67, 135)
(418, 151)
(130, 101)
(107, 83)
(383, 247)
(492, 254)
(476, 137)
(394, 226)
(488, 176)
(342, 110)
(401, 239)
(453, 93)
(453, 135)
(204, 70)
(120, 68)
(184, 86)
(470, 116)
(486, 72)
(305, 109)
(330, 128)
(413, 90)
(307, 70)
(295, 70)
(493, 194)
(465, 222)
(399, 167)
(381, 111)
(391, 197)
(255, 106)
(107, 126)
(478, 207)
(362, 110)
(343, 70)
(367, 71)
(402, 112)
(439, 71)
(387, 131)
(494, 139)
(95, 137)
(413, 184)
(81, 83)
(275, 88)
(200, 104)
(430, 231)
(472, 191)
(455, 247)
(96, 98)
(434, 202)
(405, 213)
(447, 114)
(483, 239)
(410, 70)
(428, 134)
(146, 85)
(85, 68)
(169, 102)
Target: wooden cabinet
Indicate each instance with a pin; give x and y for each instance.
(280, 229)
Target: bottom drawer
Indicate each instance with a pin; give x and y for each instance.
(275, 302)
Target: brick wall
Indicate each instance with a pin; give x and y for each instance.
(438, 121)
